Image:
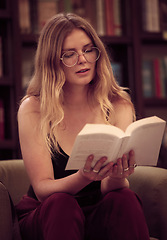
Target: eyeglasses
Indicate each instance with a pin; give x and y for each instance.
(70, 58)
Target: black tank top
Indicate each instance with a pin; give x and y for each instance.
(87, 196)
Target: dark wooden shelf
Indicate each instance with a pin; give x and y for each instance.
(157, 102)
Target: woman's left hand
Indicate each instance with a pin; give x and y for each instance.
(124, 167)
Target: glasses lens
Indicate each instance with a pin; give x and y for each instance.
(70, 58)
(92, 54)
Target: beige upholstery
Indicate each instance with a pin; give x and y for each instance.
(149, 183)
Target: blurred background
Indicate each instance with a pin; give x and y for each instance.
(135, 37)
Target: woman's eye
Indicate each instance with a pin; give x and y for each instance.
(88, 50)
(68, 55)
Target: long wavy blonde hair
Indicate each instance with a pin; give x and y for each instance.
(48, 79)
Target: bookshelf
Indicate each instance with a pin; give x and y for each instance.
(128, 46)
(10, 79)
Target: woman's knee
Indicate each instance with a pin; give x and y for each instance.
(122, 197)
(61, 204)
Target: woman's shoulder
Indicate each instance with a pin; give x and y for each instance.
(122, 104)
(123, 113)
(29, 105)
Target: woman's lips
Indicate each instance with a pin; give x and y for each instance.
(85, 70)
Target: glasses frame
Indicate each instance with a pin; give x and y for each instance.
(62, 59)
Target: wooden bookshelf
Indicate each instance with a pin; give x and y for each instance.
(128, 48)
(10, 78)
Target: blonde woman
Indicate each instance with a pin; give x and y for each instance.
(73, 84)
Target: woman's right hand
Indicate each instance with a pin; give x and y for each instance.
(99, 171)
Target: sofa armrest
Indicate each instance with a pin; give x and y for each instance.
(6, 227)
(150, 184)
(14, 177)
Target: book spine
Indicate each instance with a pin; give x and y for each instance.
(155, 16)
(100, 17)
(2, 125)
(151, 15)
(1, 58)
(24, 16)
(46, 9)
(163, 17)
(89, 12)
(67, 6)
(109, 17)
(162, 78)
(165, 77)
(117, 71)
(146, 15)
(148, 78)
(117, 18)
(157, 78)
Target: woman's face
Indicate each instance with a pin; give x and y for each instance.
(82, 72)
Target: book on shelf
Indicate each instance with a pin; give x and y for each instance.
(2, 124)
(46, 9)
(163, 17)
(100, 9)
(108, 17)
(1, 58)
(151, 15)
(88, 11)
(154, 77)
(117, 71)
(113, 20)
(117, 17)
(24, 16)
(147, 78)
(143, 136)
(157, 78)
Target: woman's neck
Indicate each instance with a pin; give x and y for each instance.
(75, 98)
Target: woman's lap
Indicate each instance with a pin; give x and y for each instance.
(117, 213)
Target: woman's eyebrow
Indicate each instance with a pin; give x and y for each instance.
(74, 49)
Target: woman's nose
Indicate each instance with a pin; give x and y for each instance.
(81, 58)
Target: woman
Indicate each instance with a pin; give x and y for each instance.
(73, 84)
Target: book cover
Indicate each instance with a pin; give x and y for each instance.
(143, 136)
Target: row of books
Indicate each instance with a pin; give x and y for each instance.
(104, 15)
(154, 16)
(154, 76)
(2, 127)
(151, 15)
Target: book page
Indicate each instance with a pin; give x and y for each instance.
(146, 142)
(98, 145)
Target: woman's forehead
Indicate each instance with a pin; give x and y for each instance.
(77, 38)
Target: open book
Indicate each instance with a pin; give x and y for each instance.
(143, 136)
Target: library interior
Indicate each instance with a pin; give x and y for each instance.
(133, 32)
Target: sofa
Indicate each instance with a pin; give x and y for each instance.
(150, 183)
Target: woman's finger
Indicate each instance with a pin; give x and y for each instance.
(88, 164)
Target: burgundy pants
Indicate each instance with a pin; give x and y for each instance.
(117, 216)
